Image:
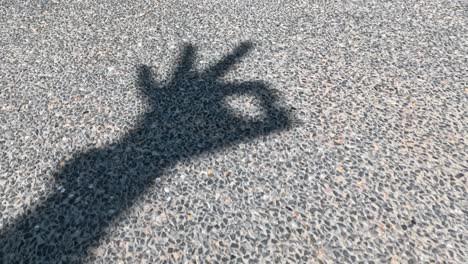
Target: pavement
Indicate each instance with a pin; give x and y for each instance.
(301, 131)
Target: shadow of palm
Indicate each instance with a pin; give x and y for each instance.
(187, 116)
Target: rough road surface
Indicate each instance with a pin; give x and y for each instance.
(242, 131)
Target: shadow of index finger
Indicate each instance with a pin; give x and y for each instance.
(275, 116)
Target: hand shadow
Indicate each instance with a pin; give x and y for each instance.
(187, 116)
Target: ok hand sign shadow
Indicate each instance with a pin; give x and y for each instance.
(191, 108)
(187, 116)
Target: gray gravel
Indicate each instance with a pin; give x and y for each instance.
(233, 131)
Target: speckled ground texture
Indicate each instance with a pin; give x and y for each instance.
(371, 167)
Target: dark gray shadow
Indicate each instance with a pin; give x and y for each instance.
(187, 117)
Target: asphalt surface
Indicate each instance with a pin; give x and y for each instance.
(233, 131)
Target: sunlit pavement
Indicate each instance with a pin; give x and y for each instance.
(336, 136)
